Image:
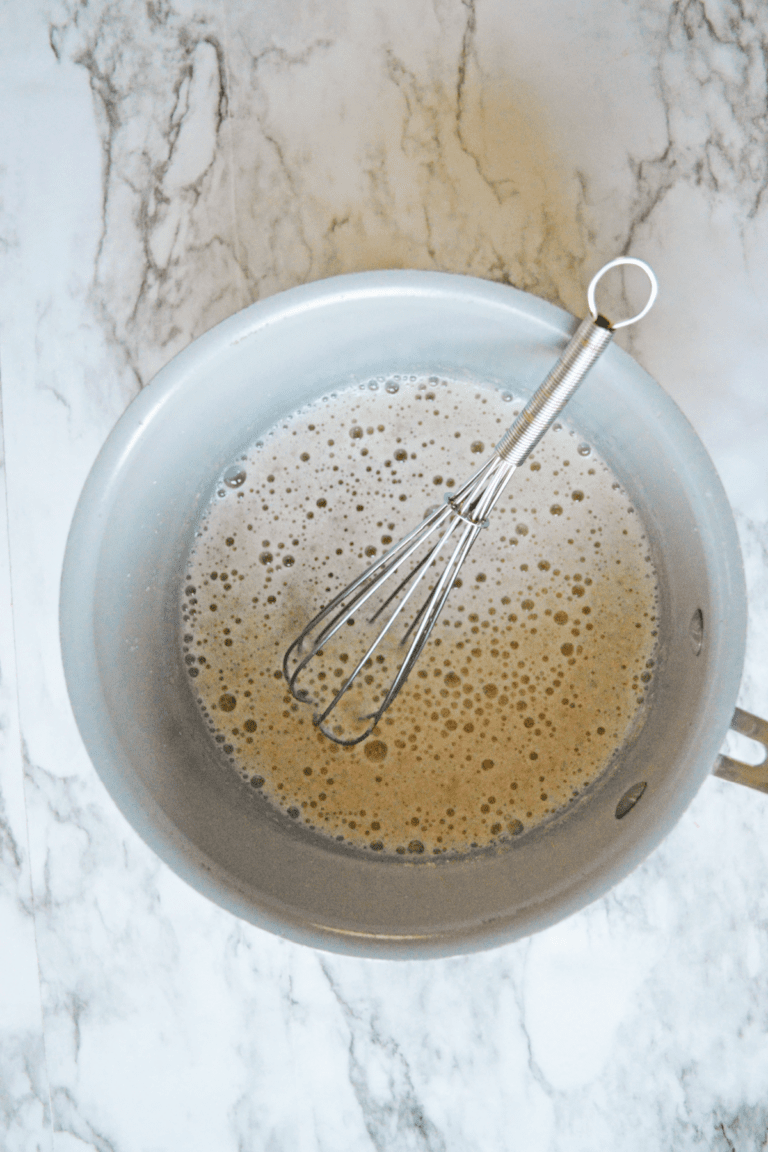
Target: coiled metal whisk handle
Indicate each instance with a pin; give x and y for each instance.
(587, 344)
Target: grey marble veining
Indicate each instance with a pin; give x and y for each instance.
(164, 265)
(24, 1100)
(163, 164)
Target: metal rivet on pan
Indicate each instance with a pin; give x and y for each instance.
(629, 799)
(696, 630)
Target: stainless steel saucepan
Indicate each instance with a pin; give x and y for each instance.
(125, 558)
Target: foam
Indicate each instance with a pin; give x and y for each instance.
(536, 672)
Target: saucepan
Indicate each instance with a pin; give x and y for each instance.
(125, 560)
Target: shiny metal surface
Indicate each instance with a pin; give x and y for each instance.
(751, 775)
(587, 344)
(619, 262)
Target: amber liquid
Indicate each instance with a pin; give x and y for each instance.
(539, 666)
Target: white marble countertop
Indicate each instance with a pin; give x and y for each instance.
(164, 163)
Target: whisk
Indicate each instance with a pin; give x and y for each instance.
(349, 705)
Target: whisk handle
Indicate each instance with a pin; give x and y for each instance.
(587, 344)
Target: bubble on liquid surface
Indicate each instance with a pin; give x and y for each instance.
(392, 387)
(234, 477)
(584, 450)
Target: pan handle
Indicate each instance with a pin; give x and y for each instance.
(751, 775)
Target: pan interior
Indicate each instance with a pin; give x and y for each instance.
(536, 669)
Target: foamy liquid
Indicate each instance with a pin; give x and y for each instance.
(538, 667)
